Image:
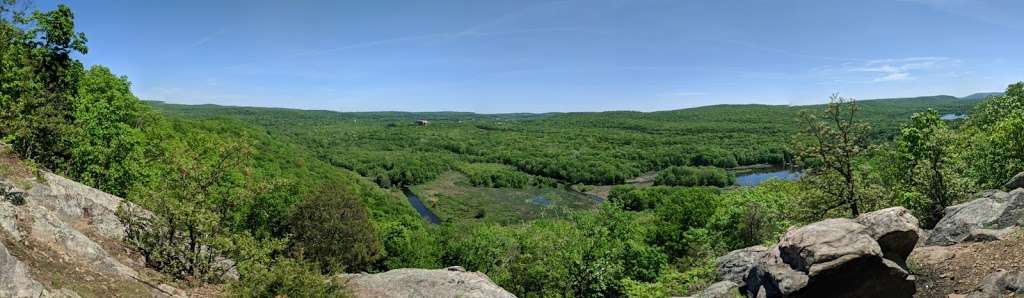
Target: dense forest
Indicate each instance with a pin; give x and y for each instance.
(293, 196)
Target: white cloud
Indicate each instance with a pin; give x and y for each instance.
(893, 69)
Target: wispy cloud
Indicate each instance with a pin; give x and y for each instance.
(492, 27)
(208, 38)
(893, 69)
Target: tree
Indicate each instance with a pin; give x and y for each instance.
(107, 141)
(39, 82)
(332, 228)
(924, 145)
(836, 140)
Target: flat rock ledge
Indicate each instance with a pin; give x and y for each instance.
(448, 282)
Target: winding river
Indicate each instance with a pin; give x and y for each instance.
(422, 209)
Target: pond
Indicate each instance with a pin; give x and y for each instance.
(950, 117)
(758, 176)
(420, 208)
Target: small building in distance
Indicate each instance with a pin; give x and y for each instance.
(422, 122)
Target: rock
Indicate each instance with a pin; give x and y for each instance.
(994, 210)
(1016, 182)
(735, 265)
(931, 255)
(422, 283)
(895, 230)
(985, 235)
(1013, 211)
(15, 280)
(227, 267)
(959, 220)
(830, 258)
(722, 289)
(999, 284)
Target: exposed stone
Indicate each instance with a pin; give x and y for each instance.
(422, 283)
(931, 255)
(895, 230)
(994, 210)
(830, 258)
(735, 265)
(959, 220)
(1016, 182)
(985, 235)
(15, 280)
(1000, 284)
(722, 289)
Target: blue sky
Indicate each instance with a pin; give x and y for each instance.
(541, 56)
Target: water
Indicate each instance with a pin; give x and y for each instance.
(420, 208)
(950, 117)
(755, 178)
(540, 200)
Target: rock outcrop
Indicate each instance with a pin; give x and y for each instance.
(1000, 284)
(831, 258)
(994, 210)
(722, 289)
(1016, 182)
(59, 238)
(448, 282)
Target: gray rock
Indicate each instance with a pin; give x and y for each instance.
(1000, 284)
(986, 235)
(422, 283)
(830, 258)
(931, 255)
(895, 230)
(959, 220)
(995, 210)
(735, 265)
(722, 289)
(15, 280)
(1013, 210)
(1016, 182)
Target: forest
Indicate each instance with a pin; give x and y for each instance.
(296, 196)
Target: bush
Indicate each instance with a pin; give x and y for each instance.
(286, 278)
(695, 176)
(332, 228)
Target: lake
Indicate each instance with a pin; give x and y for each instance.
(758, 176)
(951, 117)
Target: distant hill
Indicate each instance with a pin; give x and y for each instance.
(982, 95)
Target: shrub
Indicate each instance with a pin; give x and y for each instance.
(695, 176)
(286, 278)
(332, 228)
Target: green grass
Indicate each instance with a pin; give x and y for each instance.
(452, 198)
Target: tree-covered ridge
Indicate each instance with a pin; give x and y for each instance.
(589, 148)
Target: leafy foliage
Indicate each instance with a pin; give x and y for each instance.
(694, 176)
(333, 229)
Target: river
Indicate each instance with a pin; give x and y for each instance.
(422, 209)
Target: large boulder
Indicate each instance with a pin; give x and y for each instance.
(1016, 182)
(895, 230)
(993, 210)
(735, 265)
(830, 258)
(448, 282)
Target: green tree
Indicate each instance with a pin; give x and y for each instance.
(40, 82)
(332, 228)
(924, 144)
(107, 141)
(838, 138)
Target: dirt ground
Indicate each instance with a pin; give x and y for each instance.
(959, 269)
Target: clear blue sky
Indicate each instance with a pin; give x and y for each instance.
(540, 56)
